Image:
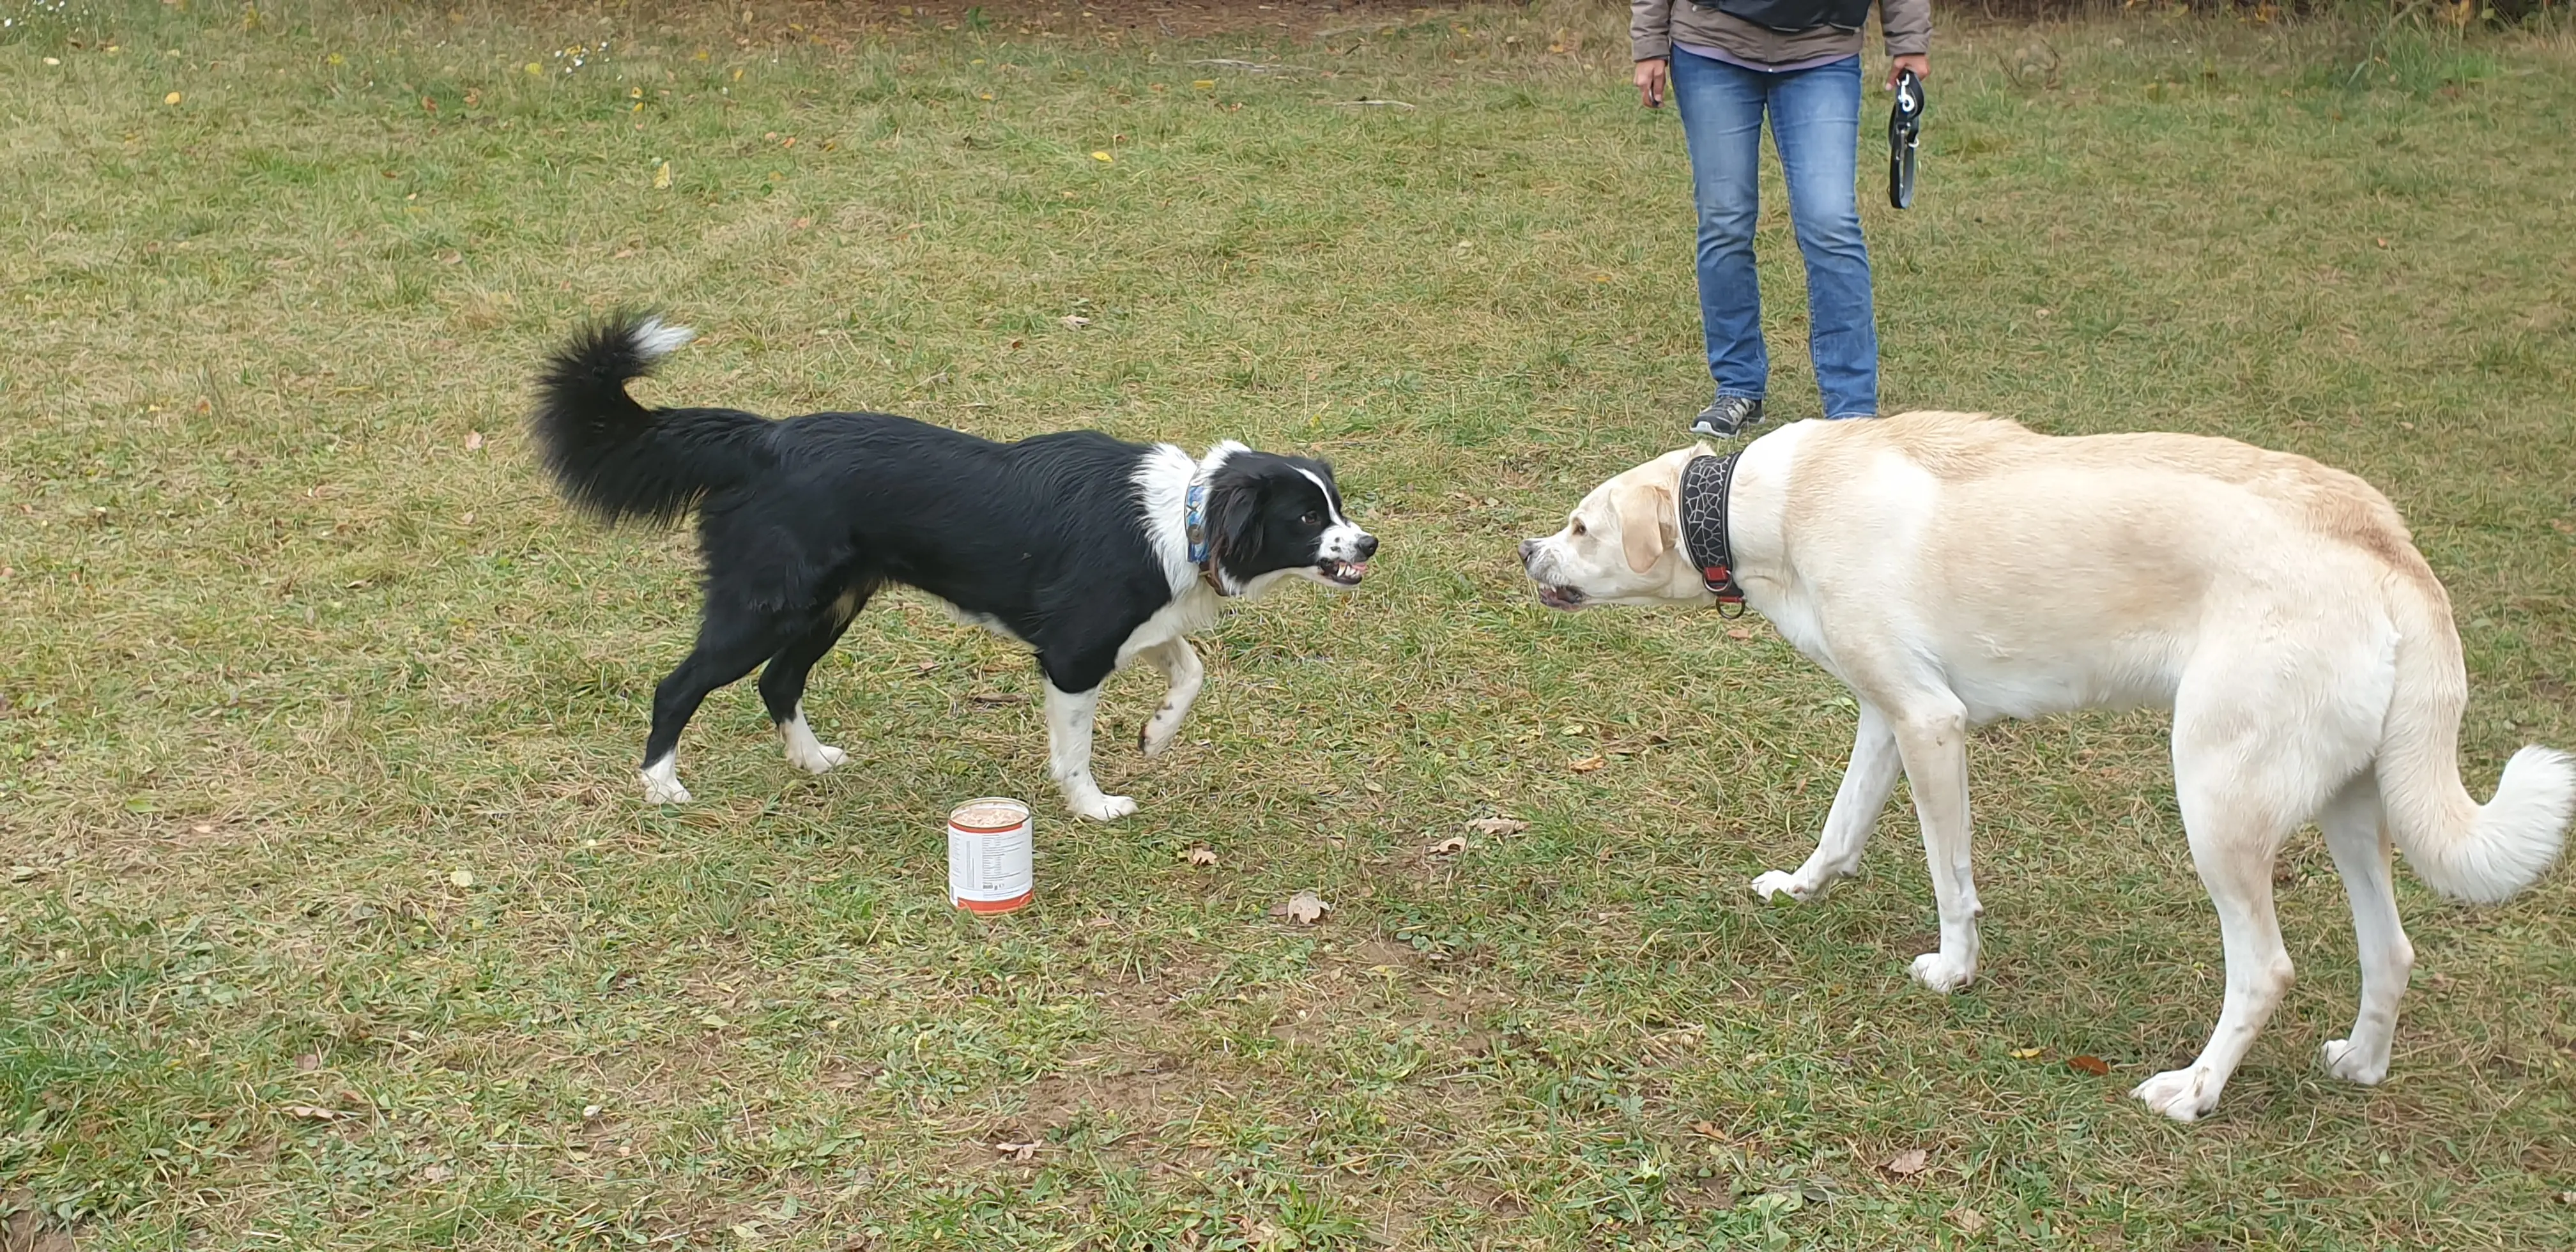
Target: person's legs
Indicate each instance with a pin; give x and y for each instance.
(1815, 118)
(1721, 109)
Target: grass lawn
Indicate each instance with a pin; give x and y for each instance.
(332, 917)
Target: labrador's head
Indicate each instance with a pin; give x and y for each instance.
(1621, 545)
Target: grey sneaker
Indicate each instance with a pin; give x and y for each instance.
(1728, 416)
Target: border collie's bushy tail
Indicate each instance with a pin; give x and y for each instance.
(616, 459)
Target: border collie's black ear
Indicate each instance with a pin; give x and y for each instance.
(1234, 505)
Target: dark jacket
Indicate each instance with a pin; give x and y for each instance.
(1654, 26)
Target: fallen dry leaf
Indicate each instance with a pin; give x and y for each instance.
(1017, 1151)
(1451, 846)
(2024, 1054)
(2093, 1065)
(436, 1173)
(1587, 765)
(1710, 1130)
(1075, 320)
(662, 177)
(1304, 908)
(1738, 632)
(1200, 855)
(1256, 1232)
(1102, 156)
(1908, 1163)
(311, 1114)
(173, 98)
(998, 697)
(1968, 1220)
(461, 878)
(473, 440)
(1498, 825)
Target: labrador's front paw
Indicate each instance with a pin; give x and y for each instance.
(1776, 883)
(2181, 1094)
(1942, 973)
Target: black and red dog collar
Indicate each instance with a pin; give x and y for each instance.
(1705, 480)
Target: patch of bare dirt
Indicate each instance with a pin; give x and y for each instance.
(23, 1231)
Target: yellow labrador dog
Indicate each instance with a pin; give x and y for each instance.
(1953, 569)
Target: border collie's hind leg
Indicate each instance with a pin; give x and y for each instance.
(729, 644)
(1180, 666)
(782, 685)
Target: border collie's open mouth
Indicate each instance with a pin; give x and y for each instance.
(1556, 597)
(1342, 573)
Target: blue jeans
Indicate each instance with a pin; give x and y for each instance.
(1815, 121)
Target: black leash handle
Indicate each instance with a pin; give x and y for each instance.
(1904, 135)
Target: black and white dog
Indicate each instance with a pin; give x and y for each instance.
(1091, 551)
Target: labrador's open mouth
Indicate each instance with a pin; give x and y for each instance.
(1556, 597)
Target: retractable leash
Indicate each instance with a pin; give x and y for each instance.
(1904, 134)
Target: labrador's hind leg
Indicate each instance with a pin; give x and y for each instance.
(2358, 838)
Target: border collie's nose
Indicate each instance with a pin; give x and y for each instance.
(1367, 546)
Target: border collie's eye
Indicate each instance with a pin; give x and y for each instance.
(1312, 518)
(1578, 528)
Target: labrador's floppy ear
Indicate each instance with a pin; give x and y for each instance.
(1647, 524)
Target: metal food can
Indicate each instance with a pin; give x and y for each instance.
(990, 842)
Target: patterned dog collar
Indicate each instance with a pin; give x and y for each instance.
(1705, 480)
(1194, 525)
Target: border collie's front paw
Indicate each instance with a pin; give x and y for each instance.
(664, 788)
(816, 758)
(1101, 808)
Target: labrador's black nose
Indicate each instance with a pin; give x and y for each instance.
(1529, 548)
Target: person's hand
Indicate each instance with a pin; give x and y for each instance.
(1919, 63)
(1653, 77)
